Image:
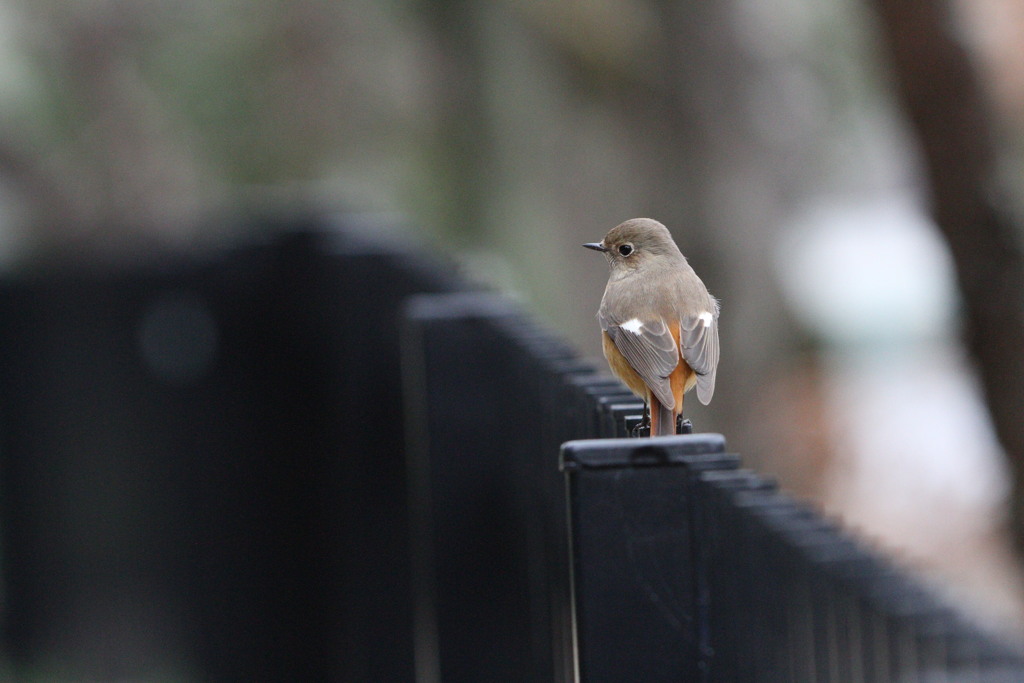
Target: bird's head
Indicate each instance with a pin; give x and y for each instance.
(634, 243)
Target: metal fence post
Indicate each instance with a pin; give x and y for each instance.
(635, 572)
(481, 562)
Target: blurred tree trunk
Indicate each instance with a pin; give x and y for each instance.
(462, 151)
(947, 108)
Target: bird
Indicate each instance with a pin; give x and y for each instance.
(659, 324)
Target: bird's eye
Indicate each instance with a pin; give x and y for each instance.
(626, 249)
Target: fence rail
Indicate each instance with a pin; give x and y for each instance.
(432, 489)
(685, 567)
(692, 569)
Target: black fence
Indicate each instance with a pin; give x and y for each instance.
(324, 458)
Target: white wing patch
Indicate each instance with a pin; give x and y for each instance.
(705, 317)
(634, 325)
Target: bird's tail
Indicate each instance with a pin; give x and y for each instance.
(663, 422)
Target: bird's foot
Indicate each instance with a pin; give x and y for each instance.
(643, 427)
(683, 426)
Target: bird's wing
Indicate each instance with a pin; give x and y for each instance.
(698, 337)
(649, 349)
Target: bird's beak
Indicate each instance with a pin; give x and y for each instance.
(596, 246)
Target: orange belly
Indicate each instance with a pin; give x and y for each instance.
(621, 368)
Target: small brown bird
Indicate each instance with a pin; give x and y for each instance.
(659, 324)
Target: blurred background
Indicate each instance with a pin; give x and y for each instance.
(795, 148)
